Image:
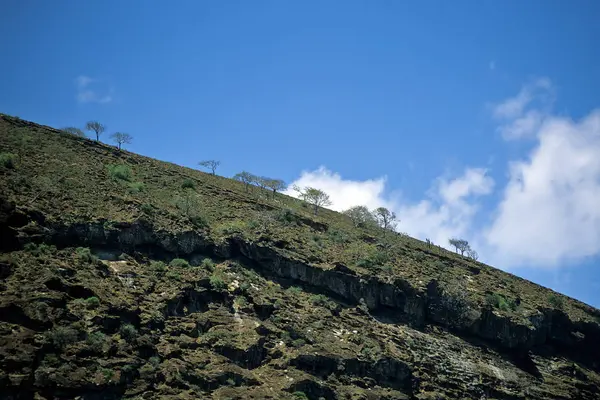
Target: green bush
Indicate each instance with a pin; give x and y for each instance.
(147, 209)
(119, 171)
(39, 249)
(137, 187)
(198, 220)
(128, 332)
(173, 275)
(298, 342)
(92, 302)
(188, 184)
(556, 301)
(497, 300)
(319, 300)
(376, 259)
(208, 264)
(96, 341)
(294, 290)
(62, 336)
(300, 395)
(179, 262)
(8, 160)
(217, 283)
(158, 266)
(84, 254)
(338, 237)
(286, 217)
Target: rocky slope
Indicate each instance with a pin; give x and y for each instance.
(164, 282)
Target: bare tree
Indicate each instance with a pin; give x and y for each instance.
(460, 245)
(121, 138)
(472, 254)
(96, 127)
(246, 178)
(385, 218)
(314, 196)
(360, 216)
(275, 185)
(210, 164)
(74, 131)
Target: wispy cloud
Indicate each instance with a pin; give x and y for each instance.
(522, 114)
(92, 90)
(492, 65)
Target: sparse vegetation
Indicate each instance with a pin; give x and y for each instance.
(188, 184)
(179, 263)
(8, 160)
(92, 302)
(315, 197)
(360, 216)
(556, 301)
(62, 336)
(71, 130)
(137, 187)
(96, 127)
(211, 165)
(121, 138)
(360, 308)
(120, 172)
(217, 282)
(128, 332)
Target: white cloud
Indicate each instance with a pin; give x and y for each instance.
(550, 211)
(90, 90)
(519, 116)
(447, 212)
(343, 193)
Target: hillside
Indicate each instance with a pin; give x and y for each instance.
(123, 276)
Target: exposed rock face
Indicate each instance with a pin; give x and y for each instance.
(525, 343)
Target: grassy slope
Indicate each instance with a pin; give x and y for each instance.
(67, 177)
(195, 327)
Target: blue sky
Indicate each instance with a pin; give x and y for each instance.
(469, 118)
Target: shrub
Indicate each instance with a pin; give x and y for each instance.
(137, 187)
(158, 266)
(298, 342)
(128, 332)
(92, 302)
(556, 301)
(188, 184)
(147, 209)
(8, 160)
(39, 249)
(338, 237)
(319, 300)
(179, 262)
(217, 283)
(208, 264)
(286, 217)
(300, 395)
(107, 373)
(84, 254)
(240, 301)
(119, 171)
(497, 300)
(198, 220)
(294, 290)
(96, 341)
(173, 275)
(62, 336)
